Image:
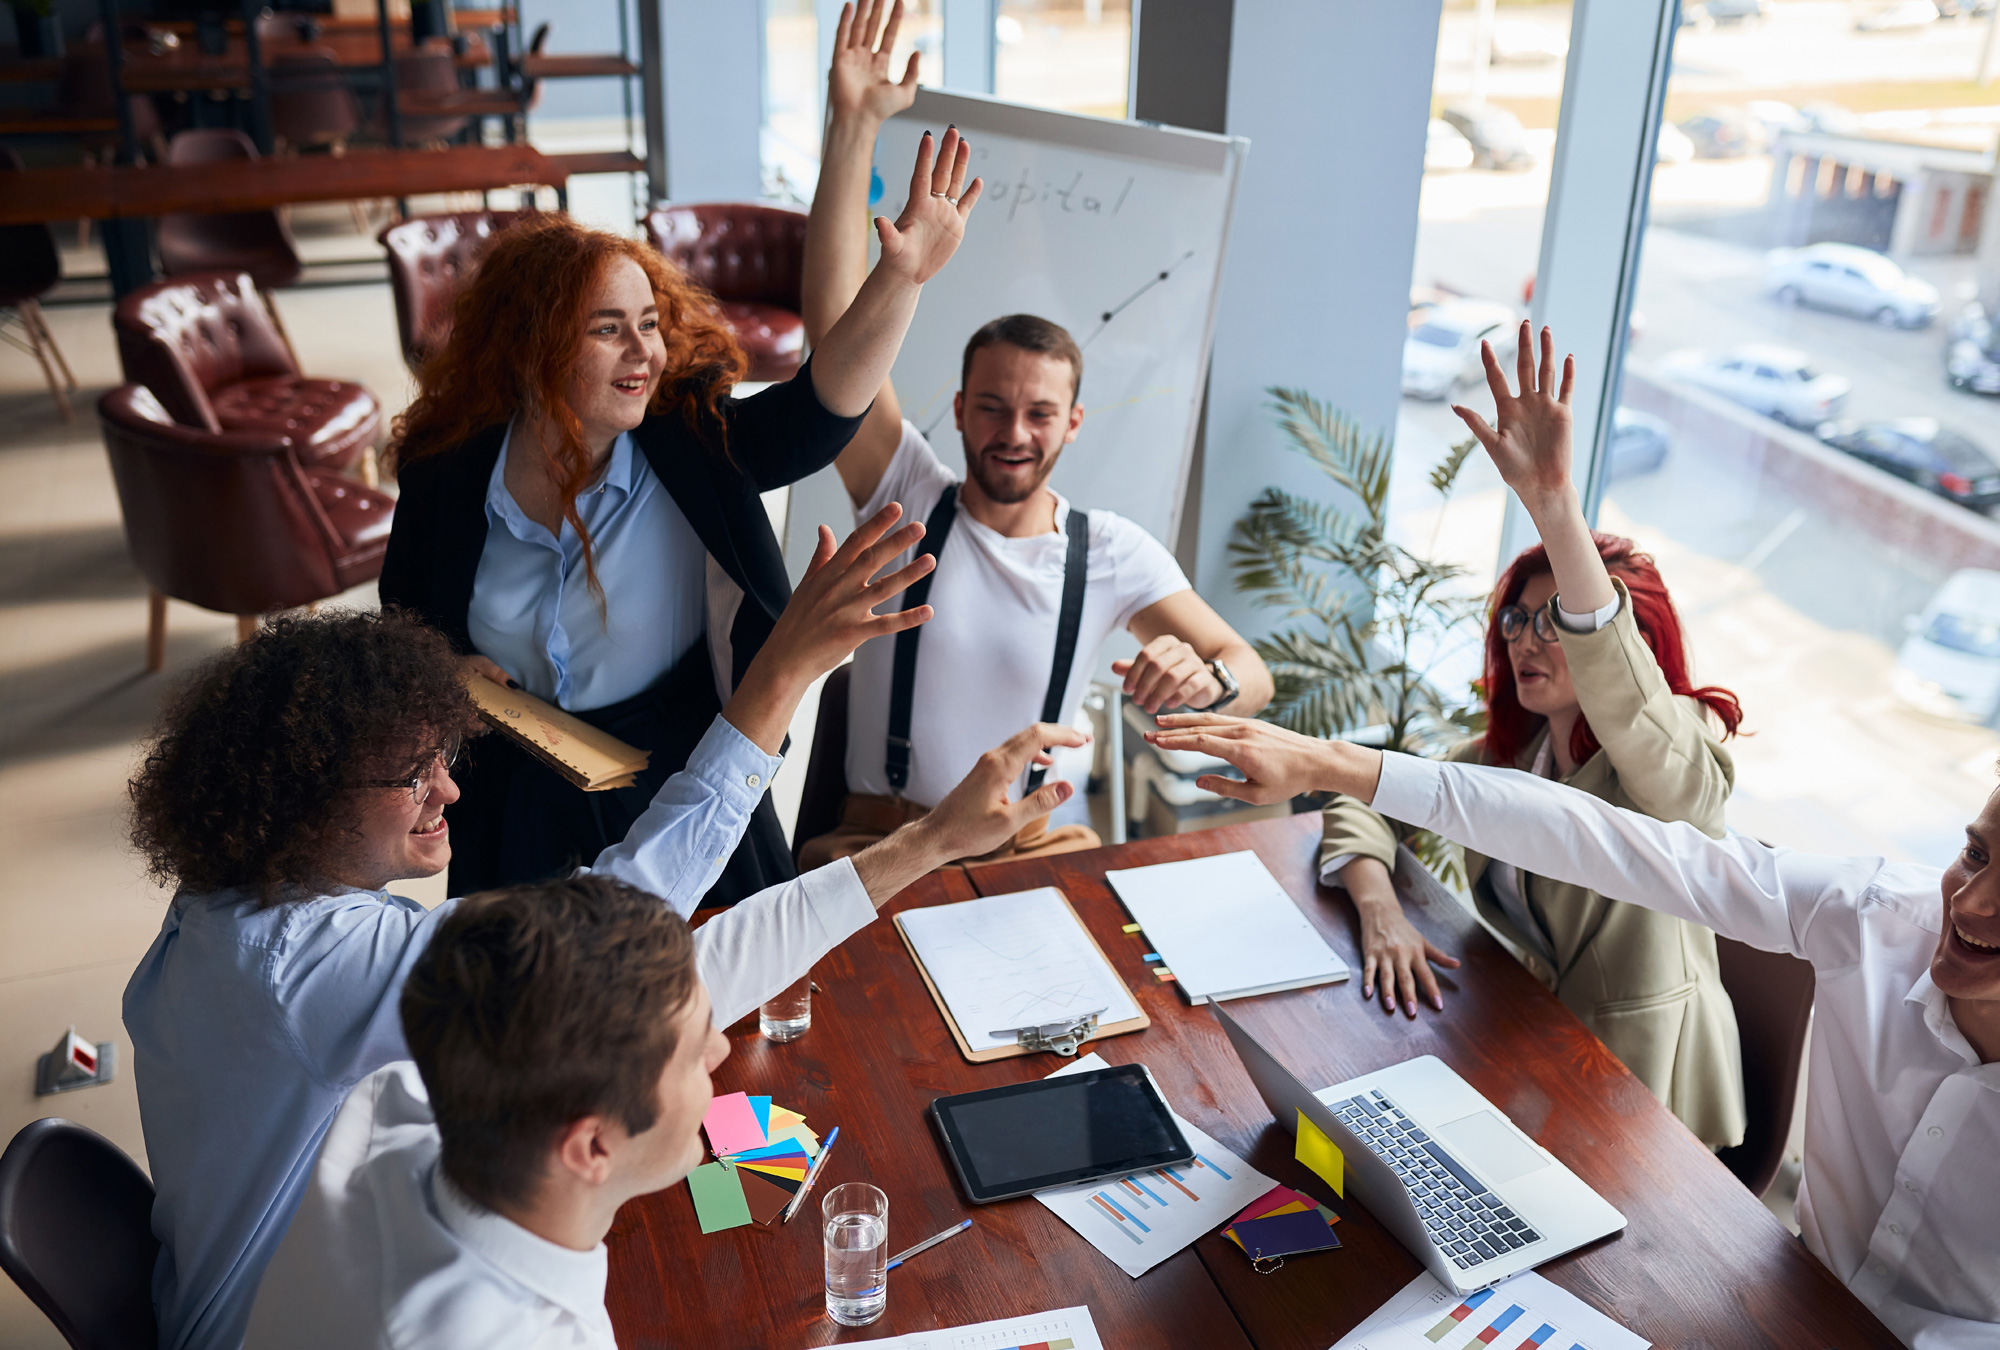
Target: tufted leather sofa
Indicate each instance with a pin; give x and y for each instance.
(430, 257)
(207, 348)
(750, 256)
(233, 520)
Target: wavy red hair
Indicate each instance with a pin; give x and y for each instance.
(1510, 727)
(516, 331)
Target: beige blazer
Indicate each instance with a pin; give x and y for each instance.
(1646, 984)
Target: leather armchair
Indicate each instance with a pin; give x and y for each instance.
(750, 257)
(233, 521)
(207, 348)
(430, 257)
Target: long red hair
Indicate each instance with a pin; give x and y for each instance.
(517, 329)
(1510, 727)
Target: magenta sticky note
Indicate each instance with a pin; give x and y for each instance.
(731, 1125)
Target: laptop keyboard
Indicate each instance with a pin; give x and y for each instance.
(1467, 1221)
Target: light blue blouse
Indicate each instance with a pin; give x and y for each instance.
(532, 609)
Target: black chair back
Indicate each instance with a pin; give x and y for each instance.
(826, 767)
(1773, 994)
(29, 263)
(76, 1233)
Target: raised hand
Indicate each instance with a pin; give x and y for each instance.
(858, 83)
(976, 817)
(925, 236)
(1531, 443)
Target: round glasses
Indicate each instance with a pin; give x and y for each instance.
(418, 784)
(1514, 621)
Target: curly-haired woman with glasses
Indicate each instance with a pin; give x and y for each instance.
(1587, 683)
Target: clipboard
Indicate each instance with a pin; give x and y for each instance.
(1097, 1032)
(584, 756)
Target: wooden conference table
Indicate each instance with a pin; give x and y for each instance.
(1701, 1262)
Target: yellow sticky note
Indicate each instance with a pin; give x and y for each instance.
(1131, 927)
(1317, 1151)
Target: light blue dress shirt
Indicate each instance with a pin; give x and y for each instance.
(532, 609)
(250, 1024)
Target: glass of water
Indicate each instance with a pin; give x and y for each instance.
(786, 1017)
(857, 1253)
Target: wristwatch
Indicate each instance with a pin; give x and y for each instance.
(1229, 687)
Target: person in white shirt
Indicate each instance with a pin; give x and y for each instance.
(1900, 1197)
(984, 663)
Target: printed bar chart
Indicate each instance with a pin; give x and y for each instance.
(1538, 1338)
(1428, 1316)
(1457, 1315)
(1498, 1325)
(1128, 1202)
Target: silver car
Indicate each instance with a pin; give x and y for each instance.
(1852, 280)
(1972, 353)
(1949, 666)
(1774, 381)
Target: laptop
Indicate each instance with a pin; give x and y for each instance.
(1442, 1168)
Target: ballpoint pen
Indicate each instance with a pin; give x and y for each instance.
(925, 1245)
(812, 1175)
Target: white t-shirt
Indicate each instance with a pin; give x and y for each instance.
(983, 662)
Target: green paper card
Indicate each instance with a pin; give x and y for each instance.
(718, 1198)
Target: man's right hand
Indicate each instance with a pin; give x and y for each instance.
(858, 83)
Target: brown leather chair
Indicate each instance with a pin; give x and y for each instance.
(29, 268)
(426, 89)
(751, 257)
(1773, 994)
(233, 521)
(207, 348)
(825, 789)
(311, 103)
(430, 257)
(256, 242)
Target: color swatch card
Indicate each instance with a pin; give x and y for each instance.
(1525, 1312)
(1064, 1329)
(1282, 1202)
(763, 1153)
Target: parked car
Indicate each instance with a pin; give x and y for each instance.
(1498, 141)
(1674, 146)
(1775, 381)
(1949, 666)
(1527, 44)
(1829, 119)
(1444, 148)
(1972, 351)
(1898, 17)
(1442, 352)
(1724, 12)
(1852, 280)
(1918, 450)
(1725, 133)
(1775, 116)
(1639, 444)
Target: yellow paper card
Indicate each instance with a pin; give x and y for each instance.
(1317, 1151)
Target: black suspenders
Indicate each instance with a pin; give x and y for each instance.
(903, 680)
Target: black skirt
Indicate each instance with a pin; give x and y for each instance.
(517, 820)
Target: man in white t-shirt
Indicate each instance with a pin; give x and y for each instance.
(986, 661)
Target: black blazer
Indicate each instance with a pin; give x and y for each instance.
(774, 438)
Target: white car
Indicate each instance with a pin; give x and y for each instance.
(1445, 147)
(1850, 279)
(1675, 146)
(1949, 666)
(1902, 15)
(1774, 381)
(1442, 351)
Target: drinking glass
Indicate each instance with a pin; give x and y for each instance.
(786, 1017)
(857, 1253)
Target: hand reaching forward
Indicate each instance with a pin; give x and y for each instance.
(1168, 673)
(858, 82)
(922, 239)
(1531, 445)
(1277, 765)
(975, 817)
(833, 610)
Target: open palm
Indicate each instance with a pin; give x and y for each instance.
(1530, 441)
(925, 236)
(858, 81)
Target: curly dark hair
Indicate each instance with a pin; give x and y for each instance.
(243, 780)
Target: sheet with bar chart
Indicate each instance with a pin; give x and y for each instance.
(1141, 1220)
(1523, 1313)
(1063, 1329)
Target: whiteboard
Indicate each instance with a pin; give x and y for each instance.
(1116, 231)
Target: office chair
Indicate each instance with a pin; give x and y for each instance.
(1773, 994)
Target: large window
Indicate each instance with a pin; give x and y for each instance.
(1795, 454)
(1072, 55)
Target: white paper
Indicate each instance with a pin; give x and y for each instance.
(1141, 1220)
(1225, 927)
(1014, 960)
(1536, 1314)
(1064, 1329)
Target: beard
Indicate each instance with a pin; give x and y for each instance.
(1007, 489)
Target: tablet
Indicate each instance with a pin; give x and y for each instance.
(1016, 1140)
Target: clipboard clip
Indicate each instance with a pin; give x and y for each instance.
(1061, 1038)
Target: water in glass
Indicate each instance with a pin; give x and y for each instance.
(786, 1017)
(857, 1253)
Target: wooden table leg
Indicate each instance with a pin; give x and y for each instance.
(246, 627)
(156, 631)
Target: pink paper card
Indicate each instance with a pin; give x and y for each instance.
(1275, 1198)
(731, 1125)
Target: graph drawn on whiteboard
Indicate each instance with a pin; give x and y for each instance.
(1526, 1312)
(1012, 961)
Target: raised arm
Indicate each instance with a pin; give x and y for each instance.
(861, 95)
(1179, 636)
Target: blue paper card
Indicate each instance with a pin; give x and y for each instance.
(1286, 1234)
(761, 1106)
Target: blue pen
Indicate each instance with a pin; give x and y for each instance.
(812, 1175)
(926, 1245)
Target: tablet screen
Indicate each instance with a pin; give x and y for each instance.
(1031, 1136)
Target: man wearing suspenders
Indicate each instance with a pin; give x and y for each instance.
(1027, 587)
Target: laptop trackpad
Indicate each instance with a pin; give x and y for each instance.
(1493, 1149)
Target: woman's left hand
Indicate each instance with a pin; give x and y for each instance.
(1531, 444)
(922, 239)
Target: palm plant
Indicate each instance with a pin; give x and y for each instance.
(1368, 617)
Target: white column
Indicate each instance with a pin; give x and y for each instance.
(710, 74)
(968, 44)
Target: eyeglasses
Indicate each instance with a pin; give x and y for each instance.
(1514, 621)
(418, 784)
